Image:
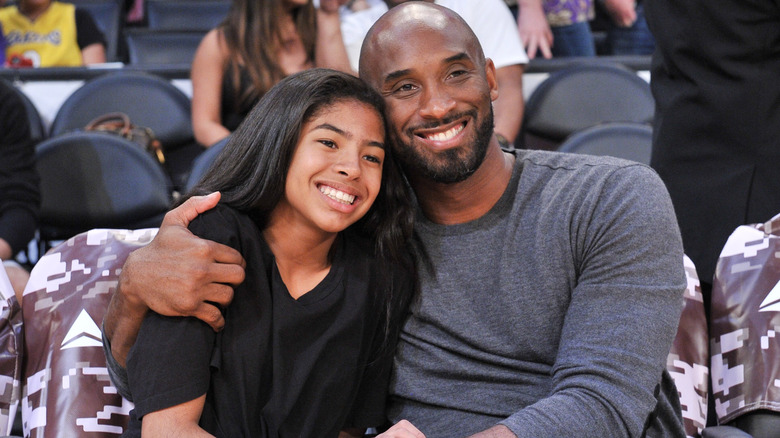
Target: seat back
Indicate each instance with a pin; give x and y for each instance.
(66, 388)
(204, 161)
(108, 17)
(150, 101)
(149, 47)
(37, 130)
(630, 141)
(581, 96)
(11, 344)
(185, 15)
(94, 179)
(688, 360)
(744, 320)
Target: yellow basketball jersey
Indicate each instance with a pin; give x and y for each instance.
(49, 41)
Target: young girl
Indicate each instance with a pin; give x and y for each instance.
(313, 200)
(259, 43)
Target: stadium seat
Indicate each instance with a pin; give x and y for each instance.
(185, 15)
(37, 131)
(631, 141)
(581, 96)
(204, 161)
(149, 47)
(149, 100)
(95, 179)
(67, 391)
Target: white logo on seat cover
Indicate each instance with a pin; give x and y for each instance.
(83, 333)
(772, 301)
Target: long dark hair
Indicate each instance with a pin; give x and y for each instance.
(251, 170)
(253, 38)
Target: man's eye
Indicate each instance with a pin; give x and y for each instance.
(405, 88)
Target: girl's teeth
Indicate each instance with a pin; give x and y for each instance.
(338, 195)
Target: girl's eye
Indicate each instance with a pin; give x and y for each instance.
(329, 143)
(372, 159)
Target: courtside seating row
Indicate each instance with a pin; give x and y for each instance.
(61, 387)
(595, 108)
(95, 179)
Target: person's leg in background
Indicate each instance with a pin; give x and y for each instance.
(633, 40)
(573, 40)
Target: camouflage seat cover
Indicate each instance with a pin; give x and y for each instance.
(688, 361)
(66, 390)
(745, 314)
(11, 339)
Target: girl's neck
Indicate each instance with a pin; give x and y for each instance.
(302, 254)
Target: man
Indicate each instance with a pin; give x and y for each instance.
(555, 281)
(494, 26)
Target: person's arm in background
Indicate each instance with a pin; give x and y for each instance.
(93, 54)
(330, 51)
(197, 275)
(206, 75)
(510, 104)
(534, 29)
(496, 29)
(90, 39)
(622, 12)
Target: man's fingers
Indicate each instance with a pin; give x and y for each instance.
(220, 273)
(190, 209)
(225, 254)
(211, 315)
(218, 294)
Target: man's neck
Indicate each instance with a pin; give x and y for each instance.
(462, 202)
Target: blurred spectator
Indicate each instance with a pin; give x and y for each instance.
(259, 43)
(556, 28)
(3, 44)
(490, 20)
(626, 28)
(717, 121)
(46, 33)
(19, 193)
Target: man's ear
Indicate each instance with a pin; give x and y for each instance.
(490, 76)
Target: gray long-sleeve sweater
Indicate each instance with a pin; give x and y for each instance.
(553, 313)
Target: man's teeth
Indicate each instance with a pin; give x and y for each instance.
(446, 135)
(338, 195)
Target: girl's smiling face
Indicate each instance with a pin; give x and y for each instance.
(336, 169)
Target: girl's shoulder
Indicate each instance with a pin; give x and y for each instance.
(226, 225)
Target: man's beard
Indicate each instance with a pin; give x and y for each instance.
(452, 165)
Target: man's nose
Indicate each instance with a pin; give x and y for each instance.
(437, 104)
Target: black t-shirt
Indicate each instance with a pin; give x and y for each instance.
(87, 31)
(281, 367)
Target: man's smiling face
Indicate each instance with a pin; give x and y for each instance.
(430, 69)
